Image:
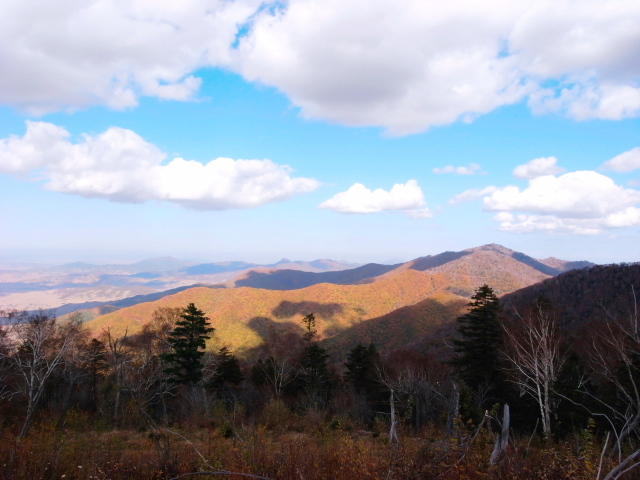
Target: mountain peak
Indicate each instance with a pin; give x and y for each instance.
(492, 247)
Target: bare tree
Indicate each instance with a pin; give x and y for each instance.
(117, 357)
(614, 358)
(280, 367)
(535, 357)
(38, 346)
(427, 389)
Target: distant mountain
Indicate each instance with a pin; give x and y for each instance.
(294, 279)
(391, 305)
(211, 268)
(49, 286)
(223, 267)
(564, 265)
(118, 304)
(162, 264)
(515, 268)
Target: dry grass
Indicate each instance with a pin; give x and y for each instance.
(296, 448)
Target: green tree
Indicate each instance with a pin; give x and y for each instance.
(188, 341)
(478, 346)
(227, 371)
(361, 369)
(314, 372)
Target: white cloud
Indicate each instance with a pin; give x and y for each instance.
(405, 67)
(583, 202)
(538, 167)
(69, 54)
(625, 162)
(469, 170)
(472, 195)
(359, 199)
(419, 64)
(121, 166)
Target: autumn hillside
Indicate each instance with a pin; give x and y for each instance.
(495, 264)
(391, 309)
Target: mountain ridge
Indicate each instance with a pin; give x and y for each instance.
(419, 296)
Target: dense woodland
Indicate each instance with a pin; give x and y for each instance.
(526, 389)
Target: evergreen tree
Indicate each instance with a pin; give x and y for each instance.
(309, 322)
(478, 346)
(315, 375)
(188, 341)
(227, 371)
(361, 369)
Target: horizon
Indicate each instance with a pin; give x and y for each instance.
(5, 262)
(226, 130)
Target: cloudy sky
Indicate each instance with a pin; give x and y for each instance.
(362, 130)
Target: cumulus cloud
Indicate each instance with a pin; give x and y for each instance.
(469, 170)
(407, 197)
(68, 54)
(582, 202)
(538, 167)
(472, 195)
(625, 162)
(121, 166)
(405, 67)
(435, 63)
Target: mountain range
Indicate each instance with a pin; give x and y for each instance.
(83, 285)
(390, 305)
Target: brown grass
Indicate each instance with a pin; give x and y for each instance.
(306, 450)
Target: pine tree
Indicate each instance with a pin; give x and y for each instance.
(227, 371)
(479, 344)
(315, 375)
(188, 341)
(361, 369)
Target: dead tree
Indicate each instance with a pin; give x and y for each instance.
(535, 357)
(614, 359)
(40, 345)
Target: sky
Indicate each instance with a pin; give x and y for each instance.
(364, 131)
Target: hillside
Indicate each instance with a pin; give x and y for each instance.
(388, 305)
(243, 317)
(475, 265)
(78, 286)
(583, 296)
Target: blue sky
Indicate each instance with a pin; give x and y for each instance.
(217, 130)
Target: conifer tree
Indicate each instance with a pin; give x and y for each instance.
(315, 374)
(188, 341)
(478, 346)
(361, 369)
(227, 371)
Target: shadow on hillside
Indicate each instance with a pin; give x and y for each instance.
(288, 309)
(278, 338)
(407, 325)
(268, 328)
(425, 263)
(419, 327)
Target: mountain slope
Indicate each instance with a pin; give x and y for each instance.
(583, 296)
(293, 279)
(517, 269)
(390, 305)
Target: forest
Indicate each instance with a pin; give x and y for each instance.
(515, 394)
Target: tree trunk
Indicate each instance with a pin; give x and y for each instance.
(393, 435)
